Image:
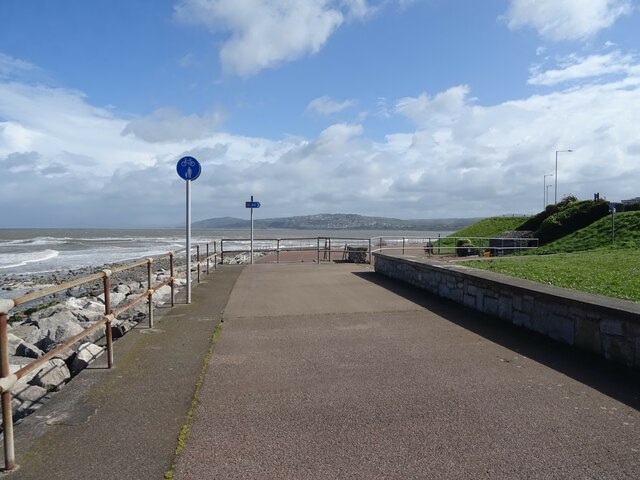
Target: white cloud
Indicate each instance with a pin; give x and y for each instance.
(64, 161)
(10, 67)
(566, 19)
(168, 125)
(442, 108)
(265, 34)
(576, 67)
(327, 106)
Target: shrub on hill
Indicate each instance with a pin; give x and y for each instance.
(489, 227)
(573, 217)
(534, 223)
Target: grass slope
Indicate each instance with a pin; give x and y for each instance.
(598, 235)
(490, 227)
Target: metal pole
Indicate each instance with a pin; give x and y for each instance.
(7, 412)
(403, 245)
(278, 251)
(207, 258)
(172, 282)
(318, 250)
(556, 174)
(370, 256)
(198, 260)
(215, 255)
(188, 182)
(251, 230)
(150, 302)
(106, 282)
(329, 249)
(555, 196)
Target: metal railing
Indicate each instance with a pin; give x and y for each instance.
(339, 248)
(8, 380)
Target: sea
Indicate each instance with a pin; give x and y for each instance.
(27, 252)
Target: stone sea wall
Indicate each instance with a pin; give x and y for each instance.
(605, 326)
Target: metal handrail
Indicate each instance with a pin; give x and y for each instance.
(8, 380)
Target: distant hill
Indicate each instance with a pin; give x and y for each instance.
(337, 221)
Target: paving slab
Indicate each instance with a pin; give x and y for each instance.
(330, 371)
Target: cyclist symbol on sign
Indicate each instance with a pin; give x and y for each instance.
(188, 168)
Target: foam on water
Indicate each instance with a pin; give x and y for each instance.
(22, 259)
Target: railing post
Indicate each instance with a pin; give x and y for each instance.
(370, 253)
(150, 300)
(380, 244)
(207, 258)
(198, 260)
(215, 255)
(329, 249)
(173, 289)
(278, 251)
(318, 250)
(108, 333)
(7, 412)
(222, 251)
(403, 245)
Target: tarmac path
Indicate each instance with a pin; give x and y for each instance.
(331, 371)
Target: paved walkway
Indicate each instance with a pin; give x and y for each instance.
(123, 423)
(330, 371)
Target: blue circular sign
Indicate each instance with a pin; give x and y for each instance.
(188, 168)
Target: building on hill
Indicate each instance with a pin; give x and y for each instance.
(631, 201)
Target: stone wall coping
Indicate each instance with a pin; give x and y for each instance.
(625, 307)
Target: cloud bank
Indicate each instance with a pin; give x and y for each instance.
(558, 20)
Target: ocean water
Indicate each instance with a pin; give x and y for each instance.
(38, 251)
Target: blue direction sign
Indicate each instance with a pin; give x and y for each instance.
(251, 204)
(188, 168)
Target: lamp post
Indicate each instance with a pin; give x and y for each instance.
(545, 192)
(555, 198)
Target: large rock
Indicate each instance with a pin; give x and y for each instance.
(19, 347)
(52, 376)
(86, 354)
(24, 330)
(162, 295)
(58, 328)
(96, 336)
(115, 298)
(122, 288)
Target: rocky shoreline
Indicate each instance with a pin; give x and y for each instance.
(38, 327)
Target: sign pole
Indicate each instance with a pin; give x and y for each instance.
(188, 221)
(188, 169)
(251, 230)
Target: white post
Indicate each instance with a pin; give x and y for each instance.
(188, 182)
(251, 230)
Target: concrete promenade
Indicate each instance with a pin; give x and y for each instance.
(332, 371)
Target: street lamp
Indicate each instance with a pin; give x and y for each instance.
(555, 198)
(545, 191)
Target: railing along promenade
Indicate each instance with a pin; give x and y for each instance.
(338, 248)
(324, 248)
(9, 380)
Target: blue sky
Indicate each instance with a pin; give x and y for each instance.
(410, 109)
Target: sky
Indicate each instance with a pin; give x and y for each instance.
(397, 108)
